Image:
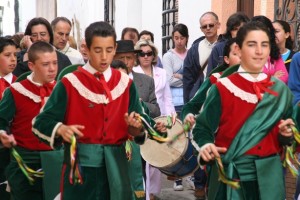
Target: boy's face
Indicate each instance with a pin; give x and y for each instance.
(255, 51)
(45, 67)
(8, 60)
(101, 52)
(233, 58)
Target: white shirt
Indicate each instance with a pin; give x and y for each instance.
(74, 56)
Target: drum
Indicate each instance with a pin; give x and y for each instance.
(176, 159)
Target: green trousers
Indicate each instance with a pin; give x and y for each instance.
(136, 172)
(4, 161)
(19, 185)
(105, 174)
(45, 188)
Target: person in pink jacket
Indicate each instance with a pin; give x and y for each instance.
(275, 65)
(277, 69)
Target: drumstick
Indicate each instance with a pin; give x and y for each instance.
(186, 128)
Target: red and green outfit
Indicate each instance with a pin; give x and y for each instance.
(80, 98)
(5, 82)
(245, 120)
(20, 104)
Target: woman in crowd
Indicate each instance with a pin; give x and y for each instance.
(147, 58)
(274, 65)
(173, 64)
(38, 29)
(284, 41)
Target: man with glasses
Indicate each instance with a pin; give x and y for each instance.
(195, 63)
(61, 27)
(194, 72)
(38, 29)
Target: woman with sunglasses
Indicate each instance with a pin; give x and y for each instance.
(146, 60)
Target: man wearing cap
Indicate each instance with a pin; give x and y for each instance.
(145, 84)
(146, 90)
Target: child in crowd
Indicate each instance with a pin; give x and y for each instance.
(92, 103)
(20, 104)
(248, 142)
(8, 62)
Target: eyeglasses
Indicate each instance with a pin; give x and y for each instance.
(143, 54)
(208, 26)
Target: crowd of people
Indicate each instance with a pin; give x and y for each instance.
(78, 113)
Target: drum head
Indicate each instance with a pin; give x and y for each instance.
(163, 154)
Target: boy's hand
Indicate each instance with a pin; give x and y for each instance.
(161, 127)
(209, 152)
(190, 118)
(7, 140)
(134, 123)
(285, 127)
(66, 132)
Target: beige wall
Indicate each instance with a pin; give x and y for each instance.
(223, 9)
(264, 7)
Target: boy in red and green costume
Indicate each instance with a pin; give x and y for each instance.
(92, 103)
(8, 62)
(230, 65)
(20, 104)
(247, 127)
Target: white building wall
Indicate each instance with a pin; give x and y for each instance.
(140, 14)
(8, 17)
(27, 11)
(81, 12)
(189, 13)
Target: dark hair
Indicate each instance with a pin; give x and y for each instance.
(210, 13)
(58, 19)
(227, 49)
(39, 47)
(101, 29)
(250, 26)
(4, 42)
(234, 21)
(275, 53)
(37, 21)
(117, 64)
(287, 29)
(183, 30)
(129, 29)
(145, 32)
(17, 38)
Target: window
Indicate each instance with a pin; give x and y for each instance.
(170, 19)
(109, 14)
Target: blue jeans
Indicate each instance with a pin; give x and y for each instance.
(199, 178)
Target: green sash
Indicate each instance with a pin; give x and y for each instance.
(267, 113)
(52, 164)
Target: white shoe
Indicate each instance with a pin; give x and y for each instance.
(189, 183)
(178, 187)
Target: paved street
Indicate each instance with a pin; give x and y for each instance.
(168, 192)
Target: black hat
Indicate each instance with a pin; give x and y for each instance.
(125, 46)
